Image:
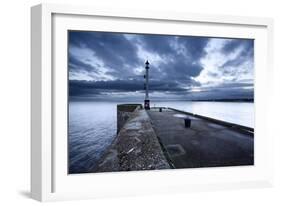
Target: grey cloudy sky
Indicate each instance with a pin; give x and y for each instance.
(110, 66)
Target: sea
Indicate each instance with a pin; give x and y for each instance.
(93, 124)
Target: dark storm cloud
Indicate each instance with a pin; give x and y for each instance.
(183, 69)
(156, 43)
(104, 89)
(194, 46)
(224, 93)
(75, 64)
(82, 87)
(247, 47)
(115, 50)
(118, 56)
(181, 55)
(234, 85)
(164, 45)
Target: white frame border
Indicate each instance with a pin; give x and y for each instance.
(42, 87)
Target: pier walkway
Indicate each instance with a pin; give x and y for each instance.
(205, 144)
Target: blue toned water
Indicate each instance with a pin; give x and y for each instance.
(92, 125)
(235, 112)
(92, 128)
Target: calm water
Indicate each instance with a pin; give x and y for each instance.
(235, 112)
(92, 128)
(92, 125)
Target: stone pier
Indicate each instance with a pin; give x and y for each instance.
(206, 143)
(136, 146)
(160, 138)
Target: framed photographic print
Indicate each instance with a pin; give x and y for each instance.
(137, 102)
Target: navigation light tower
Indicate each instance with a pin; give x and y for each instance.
(146, 76)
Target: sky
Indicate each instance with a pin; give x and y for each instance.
(110, 66)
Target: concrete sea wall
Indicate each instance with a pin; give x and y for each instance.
(136, 146)
(124, 112)
(159, 139)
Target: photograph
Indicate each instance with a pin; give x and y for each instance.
(141, 101)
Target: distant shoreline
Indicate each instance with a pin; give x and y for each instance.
(168, 100)
(224, 100)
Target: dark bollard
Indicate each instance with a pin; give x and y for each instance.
(160, 109)
(187, 122)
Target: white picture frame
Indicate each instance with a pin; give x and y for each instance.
(49, 179)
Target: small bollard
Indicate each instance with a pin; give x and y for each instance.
(160, 109)
(187, 122)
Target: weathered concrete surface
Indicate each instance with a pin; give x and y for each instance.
(136, 148)
(124, 112)
(204, 144)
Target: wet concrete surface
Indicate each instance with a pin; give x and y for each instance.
(204, 144)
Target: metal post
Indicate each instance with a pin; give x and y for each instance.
(187, 122)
